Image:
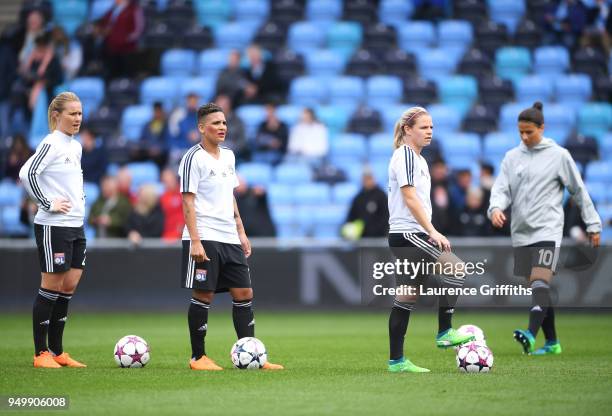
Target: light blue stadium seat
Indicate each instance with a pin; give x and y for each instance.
(90, 91)
(307, 91)
(212, 13)
(551, 61)
(508, 115)
(446, 119)
(289, 114)
(99, 9)
(256, 173)
(236, 35)
(512, 62)
(395, 12)
(163, 89)
(380, 146)
(92, 192)
(435, 64)
(600, 171)
(255, 11)
(605, 147)
(204, 87)
(349, 145)
(252, 115)
(133, 118)
(10, 194)
(416, 36)
(391, 113)
(281, 193)
(143, 173)
(292, 173)
(328, 219)
(605, 212)
(70, 14)
(380, 171)
(10, 223)
(531, 88)
(305, 36)
(178, 62)
(343, 193)
(597, 192)
(461, 145)
(284, 218)
(212, 61)
(458, 91)
(508, 12)
(462, 162)
(496, 144)
(323, 11)
(560, 121)
(595, 119)
(344, 37)
(383, 90)
(573, 90)
(346, 91)
(324, 63)
(312, 194)
(335, 117)
(455, 36)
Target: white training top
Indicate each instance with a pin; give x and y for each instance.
(407, 169)
(54, 171)
(213, 182)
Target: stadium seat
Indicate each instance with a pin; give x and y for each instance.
(133, 119)
(280, 193)
(255, 11)
(550, 61)
(346, 91)
(92, 192)
(458, 91)
(416, 36)
(531, 88)
(322, 12)
(324, 63)
(474, 11)
(420, 90)
(162, 89)
(595, 119)
(204, 87)
(256, 173)
(10, 194)
(496, 144)
(335, 117)
(143, 173)
(446, 119)
(237, 35)
(105, 120)
(344, 38)
(289, 114)
(122, 92)
(293, 174)
(380, 146)
(528, 33)
(435, 64)
(455, 36)
(461, 145)
(512, 62)
(70, 14)
(560, 121)
(400, 63)
(383, 90)
(363, 64)
(349, 145)
(597, 192)
(178, 62)
(599, 172)
(305, 36)
(490, 36)
(286, 12)
(590, 61)
(307, 91)
(212, 61)
(508, 12)
(476, 63)
(494, 91)
(284, 221)
(573, 90)
(289, 65)
(363, 12)
(606, 147)
(343, 193)
(252, 115)
(312, 194)
(10, 223)
(365, 120)
(271, 36)
(212, 13)
(91, 92)
(395, 12)
(508, 116)
(379, 38)
(328, 219)
(99, 9)
(196, 37)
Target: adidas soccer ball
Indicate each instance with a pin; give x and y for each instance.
(131, 351)
(472, 330)
(248, 353)
(474, 357)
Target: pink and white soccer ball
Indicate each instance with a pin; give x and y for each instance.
(131, 351)
(470, 329)
(474, 357)
(248, 353)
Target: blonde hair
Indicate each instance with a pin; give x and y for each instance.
(147, 199)
(408, 118)
(58, 104)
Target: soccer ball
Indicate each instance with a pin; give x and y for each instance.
(248, 353)
(470, 329)
(131, 351)
(474, 357)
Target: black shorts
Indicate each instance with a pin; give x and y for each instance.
(226, 269)
(541, 254)
(60, 248)
(416, 248)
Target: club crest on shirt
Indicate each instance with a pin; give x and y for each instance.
(59, 258)
(200, 275)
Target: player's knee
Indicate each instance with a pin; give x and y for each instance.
(405, 300)
(203, 295)
(542, 274)
(242, 293)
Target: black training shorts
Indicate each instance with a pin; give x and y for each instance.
(60, 248)
(541, 254)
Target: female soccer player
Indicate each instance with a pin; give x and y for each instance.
(215, 245)
(54, 179)
(532, 178)
(413, 237)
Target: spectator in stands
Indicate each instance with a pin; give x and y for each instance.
(183, 129)
(110, 212)
(272, 137)
(154, 139)
(19, 152)
(442, 210)
(458, 189)
(309, 138)
(35, 26)
(263, 75)
(253, 207)
(235, 139)
(172, 206)
(68, 52)
(146, 220)
(473, 217)
(565, 22)
(597, 33)
(233, 82)
(8, 74)
(486, 179)
(94, 159)
(583, 149)
(370, 206)
(120, 30)
(124, 183)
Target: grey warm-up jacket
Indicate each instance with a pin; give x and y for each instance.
(532, 180)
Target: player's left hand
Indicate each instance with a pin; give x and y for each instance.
(595, 239)
(245, 243)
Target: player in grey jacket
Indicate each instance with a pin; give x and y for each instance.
(532, 179)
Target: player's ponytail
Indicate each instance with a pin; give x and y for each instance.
(533, 114)
(58, 104)
(408, 119)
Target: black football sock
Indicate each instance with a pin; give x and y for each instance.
(540, 296)
(548, 325)
(197, 317)
(58, 322)
(244, 319)
(41, 316)
(398, 324)
(446, 303)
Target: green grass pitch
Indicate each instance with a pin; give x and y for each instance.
(335, 364)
